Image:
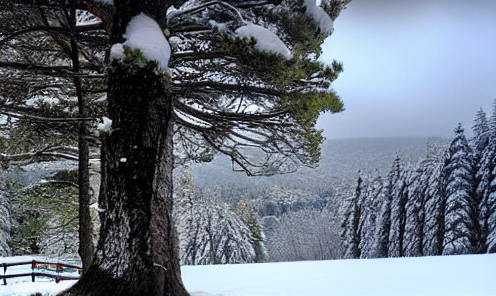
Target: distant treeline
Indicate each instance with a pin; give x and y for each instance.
(446, 204)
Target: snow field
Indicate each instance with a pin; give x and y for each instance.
(472, 275)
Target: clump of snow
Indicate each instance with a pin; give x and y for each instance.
(109, 2)
(267, 40)
(144, 33)
(97, 207)
(221, 27)
(42, 99)
(123, 159)
(117, 51)
(320, 17)
(105, 126)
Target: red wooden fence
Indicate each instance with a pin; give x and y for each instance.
(42, 269)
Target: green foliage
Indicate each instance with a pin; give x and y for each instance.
(274, 68)
(306, 107)
(45, 215)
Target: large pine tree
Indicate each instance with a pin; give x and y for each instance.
(241, 78)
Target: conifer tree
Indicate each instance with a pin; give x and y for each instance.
(371, 206)
(484, 149)
(383, 229)
(462, 215)
(352, 222)
(435, 207)
(223, 88)
(400, 194)
(5, 222)
(246, 213)
(422, 201)
(488, 203)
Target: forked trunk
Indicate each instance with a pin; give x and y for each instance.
(137, 251)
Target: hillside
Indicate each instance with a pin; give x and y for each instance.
(341, 161)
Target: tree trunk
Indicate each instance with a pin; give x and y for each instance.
(137, 251)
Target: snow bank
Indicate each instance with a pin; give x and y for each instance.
(320, 17)
(144, 33)
(266, 40)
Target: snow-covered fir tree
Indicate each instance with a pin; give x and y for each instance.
(353, 222)
(209, 231)
(484, 150)
(461, 213)
(371, 206)
(488, 202)
(421, 199)
(384, 222)
(401, 195)
(5, 221)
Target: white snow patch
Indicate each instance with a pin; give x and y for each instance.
(267, 40)
(47, 100)
(144, 33)
(117, 51)
(320, 17)
(174, 41)
(440, 276)
(109, 2)
(123, 159)
(97, 207)
(105, 126)
(222, 27)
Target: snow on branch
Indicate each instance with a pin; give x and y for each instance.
(267, 40)
(108, 2)
(205, 5)
(145, 34)
(319, 16)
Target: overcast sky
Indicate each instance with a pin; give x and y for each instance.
(412, 68)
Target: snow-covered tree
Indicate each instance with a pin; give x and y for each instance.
(217, 235)
(401, 195)
(352, 222)
(487, 172)
(484, 150)
(435, 207)
(421, 199)
(305, 235)
(384, 222)
(462, 220)
(209, 231)
(5, 222)
(246, 213)
(371, 206)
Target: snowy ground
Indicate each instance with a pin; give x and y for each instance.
(473, 275)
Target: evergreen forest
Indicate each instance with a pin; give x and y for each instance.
(369, 198)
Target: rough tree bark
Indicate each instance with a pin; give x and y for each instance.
(137, 251)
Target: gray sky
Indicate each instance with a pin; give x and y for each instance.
(412, 68)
